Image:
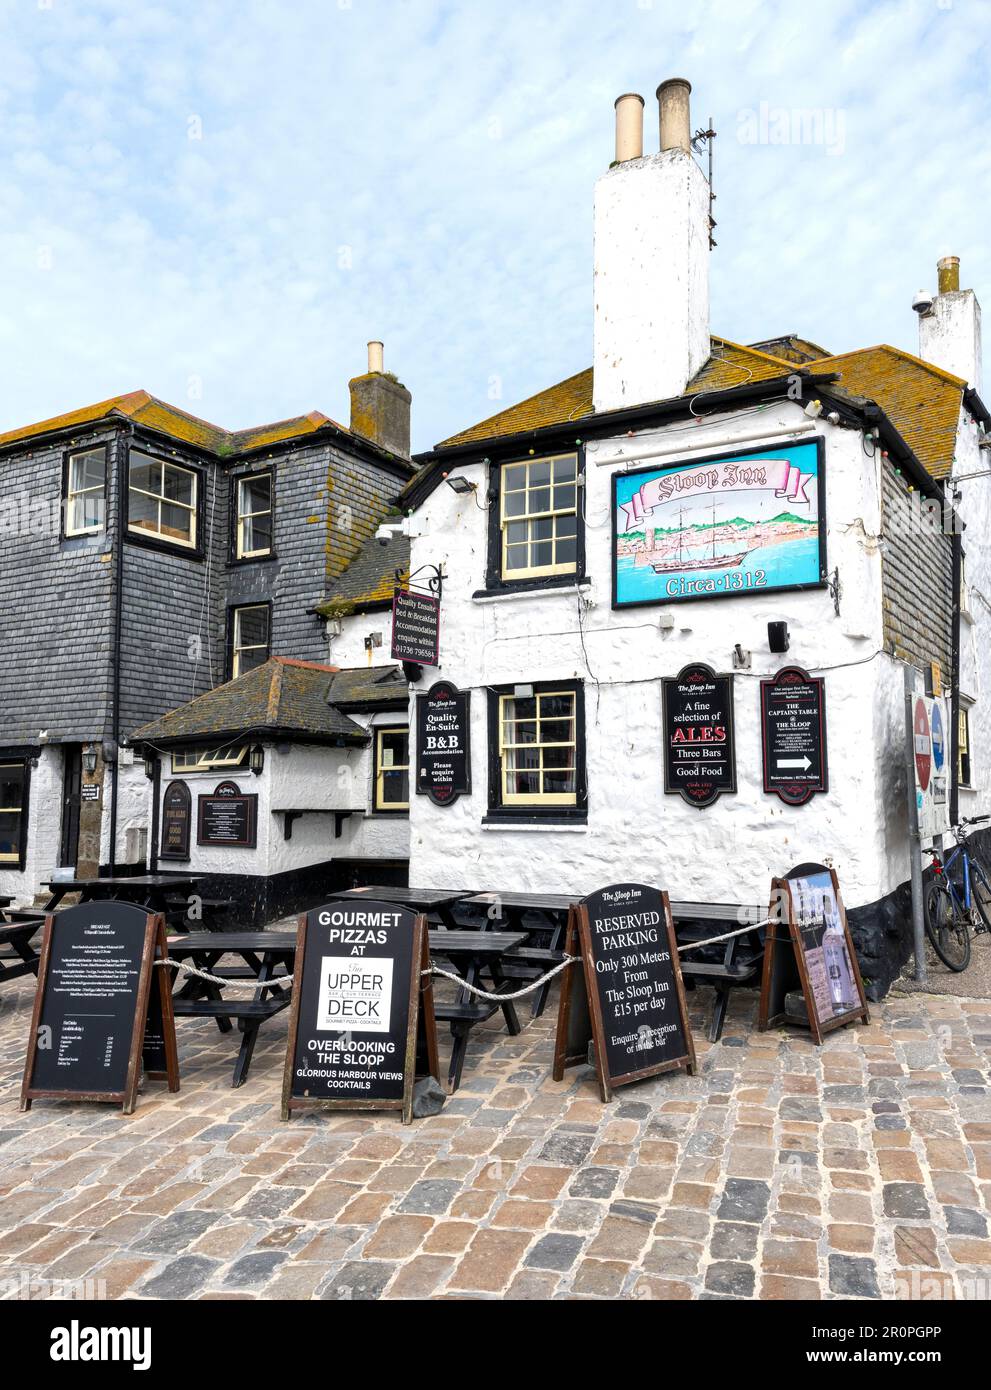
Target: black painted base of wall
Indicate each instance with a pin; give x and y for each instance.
(262, 900)
(882, 938)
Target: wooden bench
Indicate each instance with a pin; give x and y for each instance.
(471, 953)
(740, 960)
(21, 958)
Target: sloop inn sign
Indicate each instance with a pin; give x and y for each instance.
(725, 526)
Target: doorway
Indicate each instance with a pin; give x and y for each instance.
(72, 777)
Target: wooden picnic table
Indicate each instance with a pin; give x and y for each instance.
(267, 956)
(22, 958)
(150, 891)
(544, 916)
(434, 902)
(474, 954)
(741, 958)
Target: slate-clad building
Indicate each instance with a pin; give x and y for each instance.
(149, 556)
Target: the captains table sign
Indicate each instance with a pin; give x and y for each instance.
(628, 996)
(101, 1008)
(360, 997)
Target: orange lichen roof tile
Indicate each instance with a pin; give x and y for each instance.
(730, 364)
(921, 401)
(154, 414)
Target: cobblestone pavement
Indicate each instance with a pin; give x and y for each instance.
(858, 1170)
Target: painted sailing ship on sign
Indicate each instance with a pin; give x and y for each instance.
(735, 524)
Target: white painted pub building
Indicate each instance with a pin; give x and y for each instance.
(691, 501)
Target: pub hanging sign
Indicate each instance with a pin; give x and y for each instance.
(699, 740)
(793, 735)
(416, 627)
(443, 743)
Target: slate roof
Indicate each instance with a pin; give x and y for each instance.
(282, 698)
(368, 687)
(370, 578)
(154, 414)
(921, 401)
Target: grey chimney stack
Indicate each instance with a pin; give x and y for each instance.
(380, 405)
(675, 114)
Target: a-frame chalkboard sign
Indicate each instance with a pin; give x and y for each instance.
(101, 1008)
(628, 998)
(361, 1025)
(808, 946)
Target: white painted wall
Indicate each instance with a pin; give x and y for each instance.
(729, 851)
(44, 830)
(346, 649)
(975, 648)
(950, 335)
(651, 287)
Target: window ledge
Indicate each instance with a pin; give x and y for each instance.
(545, 824)
(538, 591)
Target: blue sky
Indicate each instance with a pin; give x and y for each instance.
(222, 201)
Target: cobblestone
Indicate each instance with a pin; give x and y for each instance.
(861, 1169)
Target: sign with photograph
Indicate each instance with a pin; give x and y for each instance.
(227, 817)
(793, 735)
(416, 627)
(443, 743)
(632, 1002)
(100, 1007)
(176, 821)
(358, 1006)
(730, 525)
(699, 746)
(807, 915)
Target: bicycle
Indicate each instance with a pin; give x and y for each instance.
(955, 903)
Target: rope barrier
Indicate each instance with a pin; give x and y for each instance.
(285, 981)
(282, 981)
(502, 998)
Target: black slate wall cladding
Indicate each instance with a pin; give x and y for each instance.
(55, 608)
(916, 579)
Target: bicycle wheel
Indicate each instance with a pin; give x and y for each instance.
(946, 927)
(980, 890)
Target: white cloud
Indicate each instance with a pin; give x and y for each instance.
(246, 192)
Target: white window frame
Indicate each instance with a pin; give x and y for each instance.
(207, 759)
(528, 518)
(143, 529)
(237, 646)
(73, 493)
(537, 798)
(19, 811)
(964, 740)
(242, 515)
(379, 802)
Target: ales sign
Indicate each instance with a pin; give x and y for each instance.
(699, 747)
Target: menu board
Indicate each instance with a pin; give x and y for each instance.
(416, 627)
(699, 743)
(227, 817)
(807, 916)
(443, 743)
(355, 1005)
(92, 1006)
(176, 817)
(793, 735)
(636, 998)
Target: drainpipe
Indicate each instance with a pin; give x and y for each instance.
(122, 454)
(957, 552)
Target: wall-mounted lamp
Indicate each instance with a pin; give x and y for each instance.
(462, 486)
(777, 637)
(256, 759)
(150, 761)
(89, 761)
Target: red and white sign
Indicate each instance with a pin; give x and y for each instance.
(923, 744)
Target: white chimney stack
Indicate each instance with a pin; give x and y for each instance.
(651, 224)
(950, 325)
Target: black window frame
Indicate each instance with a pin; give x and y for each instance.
(7, 758)
(236, 480)
(152, 542)
(232, 609)
(535, 814)
(67, 457)
(494, 581)
(375, 730)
